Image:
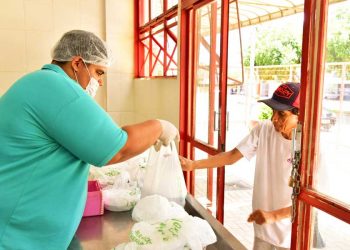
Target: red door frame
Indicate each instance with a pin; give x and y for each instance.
(187, 96)
(312, 76)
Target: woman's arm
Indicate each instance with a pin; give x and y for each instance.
(225, 158)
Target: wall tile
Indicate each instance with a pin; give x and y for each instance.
(12, 15)
(127, 118)
(38, 48)
(38, 15)
(91, 12)
(66, 15)
(117, 24)
(12, 50)
(120, 93)
(116, 116)
(7, 79)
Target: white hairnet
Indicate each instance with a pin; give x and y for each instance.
(82, 43)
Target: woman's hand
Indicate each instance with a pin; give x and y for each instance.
(261, 217)
(186, 164)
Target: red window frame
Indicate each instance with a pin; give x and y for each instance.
(151, 41)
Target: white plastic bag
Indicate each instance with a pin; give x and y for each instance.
(158, 236)
(114, 175)
(121, 199)
(156, 208)
(164, 175)
(174, 234)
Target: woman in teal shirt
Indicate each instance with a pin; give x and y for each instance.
(51, 130)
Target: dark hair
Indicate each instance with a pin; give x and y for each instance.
(295, 111)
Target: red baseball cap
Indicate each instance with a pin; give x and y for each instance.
(285, 97)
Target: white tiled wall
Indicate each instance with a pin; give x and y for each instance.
(120, 78)
(157, 98)
(29, 29)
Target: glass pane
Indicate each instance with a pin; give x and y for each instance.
(332, 171)
(172, 49)
(157, 8)
(239, 177)
(171, 57)
(234, 67)
(144, 12)
(158, 55)
(145, 63)
(261, 78)
(172, 3)
(201, 184)
(207, 74)
(329, 233)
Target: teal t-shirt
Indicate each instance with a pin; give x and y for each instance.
(50, 131)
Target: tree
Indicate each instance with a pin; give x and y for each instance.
(279, 41)
(338, 35)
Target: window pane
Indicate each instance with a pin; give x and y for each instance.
(171, 56)
(328, 232)
(234, 68)
(157, 8)
(201, 184)
(207, 74)
(146, 55)
(158, 55)
(172, 3)
(144, 12)
(332, 171)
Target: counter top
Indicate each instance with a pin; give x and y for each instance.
(111, 229)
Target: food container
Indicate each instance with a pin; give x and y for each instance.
(94, 201)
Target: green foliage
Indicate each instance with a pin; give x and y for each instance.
(338, 36)
(265, 113)
(279, 42)
(275, 46)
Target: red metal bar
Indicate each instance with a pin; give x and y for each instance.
(184, 91)
(212, 69)
(161, 48)
(220, 196)
(161, 18)
(192, 85)
(169, 26)
(309, 11)
(150, 53)
(165, 55)
(187, 4)
(171, 58)
(327, 204)
(155, 62)
(315, 93)
(139, 53)
(314, 37)
(171, 34)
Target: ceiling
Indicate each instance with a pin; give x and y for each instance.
(257, 11)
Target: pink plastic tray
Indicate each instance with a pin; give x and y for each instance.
(94, 202)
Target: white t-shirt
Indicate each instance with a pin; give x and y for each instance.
(272, 171)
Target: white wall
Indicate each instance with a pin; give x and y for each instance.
(120, 77)
(30, 28)
(157, 98)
